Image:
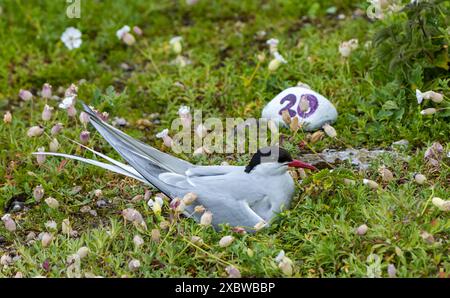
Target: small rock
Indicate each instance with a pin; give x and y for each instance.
(319, 110)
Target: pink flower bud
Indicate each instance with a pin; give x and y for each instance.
(10, 224)
(25, 95)
(56, 129)
(35, 131)
(84, 118)
(40, 158)
(47, 113)
(7, 118)
(84, 137)
(71, 91)
(46, 239)
(128, 39)
(362, 230)
(46, 91)
(233, 272)
(71, 111)
(137, 30)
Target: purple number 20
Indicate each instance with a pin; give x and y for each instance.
(291, 99)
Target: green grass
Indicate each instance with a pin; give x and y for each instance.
(220, 37)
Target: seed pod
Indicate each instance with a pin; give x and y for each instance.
(427, 237)
(286, 117)
(35, 131)
(52, 202)
(349, 182)
(84, 137)
(189, 198)
(260, 225)
(233, 272)
(38, 193)
(392, 271)
(138, 241)
(441, 204)
(386, 174)
(54, 145)
(25, 95)
(362, 230)
(134, 265)
(46, 239)
(372, 184)
(9, 223)
(83, 252)
(304, 104)
(294, 126)
(420, 179)
(84, 118)
(7, 118)
(46, 91)
(156, 235)
(197, 240)
(199, 209)
(128, 39)
(56, 129)
(226, 241)
(66, 228)
(47, 113)
(329, 130)
(429, 111)
(206, 218)
(317, 136)
(6, 260)
(286, 266)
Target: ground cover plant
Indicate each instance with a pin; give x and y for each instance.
(64, 218)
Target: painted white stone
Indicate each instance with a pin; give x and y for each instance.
(319, 112)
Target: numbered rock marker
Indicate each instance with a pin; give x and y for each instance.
(312, 109)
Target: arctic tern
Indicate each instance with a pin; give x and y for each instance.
(241, 196)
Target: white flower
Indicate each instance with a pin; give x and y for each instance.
(276, 62)
(7, 118)
(162, 134)
(419, 96)
(67, 102)
(138, 241)
(184, 111)
(51, 225)
(273, 45)
(175, 42)
(71, 38)
(134, 265)
(280, 256)
(120, 33)
(346, 47)
(434, 96)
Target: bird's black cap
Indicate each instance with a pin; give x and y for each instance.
(268, 154)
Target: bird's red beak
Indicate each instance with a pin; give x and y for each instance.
(300, 164)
